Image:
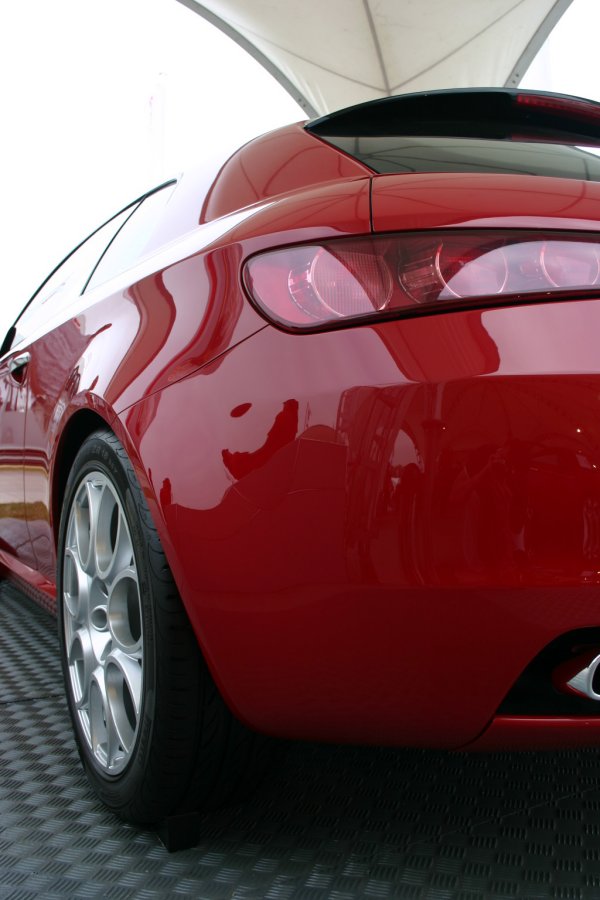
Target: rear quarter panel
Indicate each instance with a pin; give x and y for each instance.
(172, 314)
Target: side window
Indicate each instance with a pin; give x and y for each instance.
(65, 284)
(133, 238)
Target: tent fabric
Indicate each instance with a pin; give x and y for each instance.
(334, 53)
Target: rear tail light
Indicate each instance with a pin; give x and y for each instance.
(349, 280)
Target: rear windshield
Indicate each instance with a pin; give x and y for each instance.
(493, 130)
(404, 154)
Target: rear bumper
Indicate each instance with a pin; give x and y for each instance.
(537, 733)
(376, 530)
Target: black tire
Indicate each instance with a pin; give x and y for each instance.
(170, 745)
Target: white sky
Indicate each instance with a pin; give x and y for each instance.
(104, 98)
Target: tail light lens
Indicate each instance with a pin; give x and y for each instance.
(349, 280)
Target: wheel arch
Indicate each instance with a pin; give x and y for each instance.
(81, 424)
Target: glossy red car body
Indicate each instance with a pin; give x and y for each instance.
(375, 530)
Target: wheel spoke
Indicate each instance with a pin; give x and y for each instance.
(124, 694)
(104, 735)
(84, 523)
(98, 734)
(124, 612)
(115, 752)
(76, 587)
(113, 548)
(82, 663)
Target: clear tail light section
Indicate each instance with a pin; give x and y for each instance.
(346, 281)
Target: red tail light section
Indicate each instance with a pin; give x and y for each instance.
(350, 280)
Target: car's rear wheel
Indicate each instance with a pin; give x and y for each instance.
(154, 735)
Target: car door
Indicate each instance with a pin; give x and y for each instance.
(27, 379)
(14, 533)
(61, 341)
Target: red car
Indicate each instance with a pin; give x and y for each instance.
(311, 448)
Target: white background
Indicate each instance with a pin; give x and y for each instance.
(101, 99)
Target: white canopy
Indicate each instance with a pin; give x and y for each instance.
(333, 53)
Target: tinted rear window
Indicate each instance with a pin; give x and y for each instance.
(487, 130)
(404, 154)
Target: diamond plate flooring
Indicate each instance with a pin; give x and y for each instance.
(333, 823)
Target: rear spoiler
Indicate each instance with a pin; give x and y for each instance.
(488, 113)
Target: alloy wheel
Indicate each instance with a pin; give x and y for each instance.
(103, 622)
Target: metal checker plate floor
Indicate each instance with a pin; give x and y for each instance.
(334, 823)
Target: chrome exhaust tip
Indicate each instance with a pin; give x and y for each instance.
(583, 681)
(578, 676)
